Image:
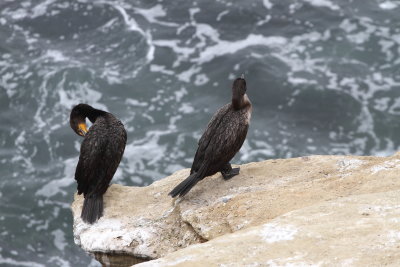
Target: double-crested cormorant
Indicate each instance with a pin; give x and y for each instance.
(221, 140)
(101, 152)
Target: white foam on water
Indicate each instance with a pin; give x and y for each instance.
(231, 47)
(153, 13)
(298, 81)
(348, 26)
(41, 8)
(55, 187)
(267, 4)
(132, 25)
(56, 56)
(108, 24)
(388, 5)
(59, 239)
(13, 262)
(359, 32)
(18, 14)
(366, 123)
(204, 32)
(7, 83)
(193, 11)
(264, 21)
(151, 48)
(323, 3)
(388, 150)
(173, 168)
(161, 69)
(136, 180)
(82, 93)
(147, 116)
(223, 13)
(186, 75)
(260, 149)
(386, 48)
(382, 104)
(186, 108)
(396, 37)
(395, 107)
(183, 53)
(179, 94)
(201, 79)
(136, 103)
(40, 122)
(60, 261)
(129, 21)
(22, 155)
(145, 152)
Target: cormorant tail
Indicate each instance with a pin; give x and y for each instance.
(92, 208)
(185, 186)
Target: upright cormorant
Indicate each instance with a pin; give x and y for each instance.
(101, 152)
(221, 140)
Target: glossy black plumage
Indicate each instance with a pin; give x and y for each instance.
(100, 154)
(222, 139)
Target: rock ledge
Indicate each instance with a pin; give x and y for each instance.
(312, 210)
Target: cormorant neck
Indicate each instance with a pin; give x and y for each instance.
(236, 99)
(236, 102)
(93, 114)
(239, 97)
(240, 101)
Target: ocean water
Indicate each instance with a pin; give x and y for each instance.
(323, 76)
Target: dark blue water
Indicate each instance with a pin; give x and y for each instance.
(323, 76)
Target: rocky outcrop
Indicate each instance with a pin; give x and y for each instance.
(309, 210)
(361, 230)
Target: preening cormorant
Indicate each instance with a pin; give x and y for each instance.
(101, 152)
(221, 140)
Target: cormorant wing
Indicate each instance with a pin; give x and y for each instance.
(224, 136)
(227, 139)
(213, 125)
(100, 155)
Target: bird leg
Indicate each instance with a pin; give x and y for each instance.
(227, 171)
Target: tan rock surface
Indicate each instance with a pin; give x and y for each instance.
(147, 223)
(362, 230)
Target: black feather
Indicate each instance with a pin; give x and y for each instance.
(92, 209)
(185, 186)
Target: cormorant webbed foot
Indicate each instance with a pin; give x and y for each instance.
(229, 174)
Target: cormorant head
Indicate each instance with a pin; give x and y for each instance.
(239, 89)
(77, 119)
(239, 85)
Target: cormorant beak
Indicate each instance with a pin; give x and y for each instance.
(82, 130)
